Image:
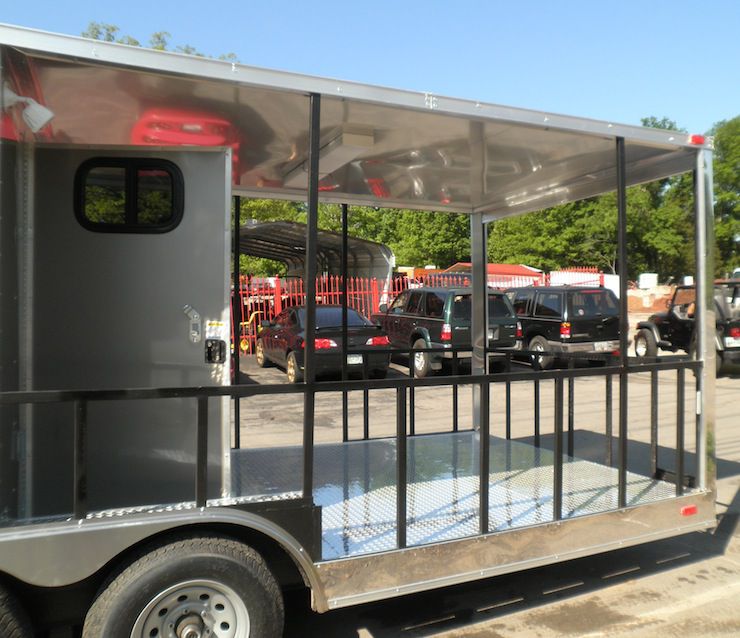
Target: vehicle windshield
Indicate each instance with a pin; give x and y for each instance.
(331, 317)
(498, 306)
(593, 303)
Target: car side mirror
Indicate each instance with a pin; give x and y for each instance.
(266, 323)
(383, 307)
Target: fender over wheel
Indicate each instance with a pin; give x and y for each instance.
(194, 587)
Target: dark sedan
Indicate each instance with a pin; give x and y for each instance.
(282, 341)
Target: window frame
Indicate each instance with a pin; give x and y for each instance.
(131, 166)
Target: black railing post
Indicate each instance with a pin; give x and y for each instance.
(609, 417)
(79, 497)
(312, 239)
(345, 257)
(484, 454)
(623, 317)
(654, 422)
(201, 453)
(680, 421)
(557, 488)
(401, 469)
(571, 410)
(455, 406)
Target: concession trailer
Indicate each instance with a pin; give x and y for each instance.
(134, 503)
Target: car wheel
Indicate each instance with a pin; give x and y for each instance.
(645, 344)
(539, 344)
(197, 586)
(14, 622)
(292, 369)
(421, 361)
(259, 354)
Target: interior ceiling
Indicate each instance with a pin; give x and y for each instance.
(373, 152)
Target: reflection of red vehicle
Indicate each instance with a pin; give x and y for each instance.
(182, 127)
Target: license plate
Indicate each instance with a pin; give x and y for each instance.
(354, 359)
(732, 342)
(602, 346)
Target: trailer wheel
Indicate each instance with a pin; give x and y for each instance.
(13, 620)
(191, 588)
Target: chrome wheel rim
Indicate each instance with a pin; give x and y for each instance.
(419, 361)
(291, 369)
(640, 347)
(260, 353)
(194, 609)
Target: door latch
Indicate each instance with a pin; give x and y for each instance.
(195, 327)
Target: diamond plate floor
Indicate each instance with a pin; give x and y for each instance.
(355, 485)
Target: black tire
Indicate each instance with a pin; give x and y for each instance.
(645, 344)
(539, 344)
(421, 361)
(14, 622)
(210, 582)
(292, 369)
(259, 354)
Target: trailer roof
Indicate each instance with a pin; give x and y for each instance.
(379, 146)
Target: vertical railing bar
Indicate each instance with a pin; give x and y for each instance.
(557, 496)
(312, 240)
(345, 251)
(609, 418)
(680, 422)
(654, 423)
(455, 406)
(484, 455)
(537, 413)
(201, 454)
(508, 411)
(571, 410)
(79, 496)
(365, 400)
(412, 396)
(623, 316)
(401, 469)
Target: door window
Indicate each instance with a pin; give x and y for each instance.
(414, 305)
(400, 303)
(549, 304)
(119, 195)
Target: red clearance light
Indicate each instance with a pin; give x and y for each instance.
(697, 140)
(519, 333)
(689, 510)
(734, 332)
(446, 332)
(322, 344)
(565, 330)
(378, 341)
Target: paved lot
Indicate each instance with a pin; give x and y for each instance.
(686, 586)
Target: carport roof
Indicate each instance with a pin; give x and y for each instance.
(285, 242)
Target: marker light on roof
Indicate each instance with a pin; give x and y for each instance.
(697, 140)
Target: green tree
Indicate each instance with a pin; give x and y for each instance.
(727, 194)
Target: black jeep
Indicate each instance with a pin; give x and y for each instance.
(673, 329)
(428, 317)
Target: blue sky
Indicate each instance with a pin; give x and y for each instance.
(611, 60)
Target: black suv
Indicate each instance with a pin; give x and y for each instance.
(673, 329)
(565, 319)
(441, 318)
